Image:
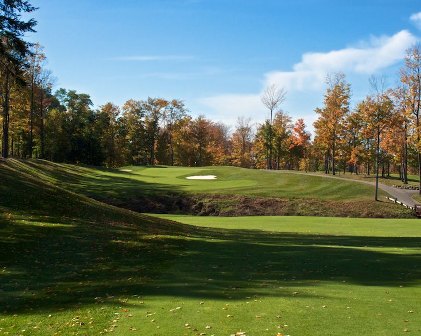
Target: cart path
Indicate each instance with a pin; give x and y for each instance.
(402, 195)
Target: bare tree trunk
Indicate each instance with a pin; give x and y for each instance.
(405, 156)
(418, 150)
(270, 142)
(326, 163)
(171, 151)
(42, 131)
(18, 149)
(6, 94)
(333, 157)
(31, 118)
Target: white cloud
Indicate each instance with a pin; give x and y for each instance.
(307, 78)
(153, 58)
(369, 58)
(416, 19)
(227, 108)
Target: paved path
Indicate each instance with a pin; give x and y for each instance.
(402, 195)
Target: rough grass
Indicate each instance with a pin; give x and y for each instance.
(236, 191)
(74, 266)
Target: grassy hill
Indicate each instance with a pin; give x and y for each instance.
(236, 191)
(65, 255)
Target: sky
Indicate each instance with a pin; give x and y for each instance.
(219, 55)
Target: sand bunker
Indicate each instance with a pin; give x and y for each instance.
(201, 177)
(126, 170)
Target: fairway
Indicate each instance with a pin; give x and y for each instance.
(311, 225)
(304, 276)
(132, 181)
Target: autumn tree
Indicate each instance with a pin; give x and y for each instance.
(397, 136)
(352, 139)
(219, 144)
(272, 98)
(300, 141)
(18, 123)
(329, 125)
(184, 147)
(241, 141)
(199, 136)
(378, 112)
(281, 128)
(411, 79)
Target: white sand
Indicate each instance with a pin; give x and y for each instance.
(126, 170)
(202, 177)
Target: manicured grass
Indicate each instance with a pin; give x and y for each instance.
(74, 266)
(126, 184)
(318, 276)
(312, 225)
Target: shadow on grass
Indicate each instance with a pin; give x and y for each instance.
(100, 183)
(60, 251)
(49, 268)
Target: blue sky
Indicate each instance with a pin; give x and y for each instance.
(218, 55)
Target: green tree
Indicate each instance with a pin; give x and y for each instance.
(153, 109)
(107, 130)
(133, 128)
(173, 113)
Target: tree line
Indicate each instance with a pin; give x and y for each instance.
(381, 133)
(65, 127)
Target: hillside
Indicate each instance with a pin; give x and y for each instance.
(65, 255)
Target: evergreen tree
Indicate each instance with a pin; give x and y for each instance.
(13, 52)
